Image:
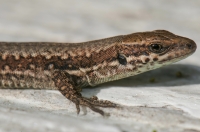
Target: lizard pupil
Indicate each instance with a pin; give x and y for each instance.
(122, 60)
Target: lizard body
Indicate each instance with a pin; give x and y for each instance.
(69, 67)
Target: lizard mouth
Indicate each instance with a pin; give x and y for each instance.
(181, 57)
(177, 58)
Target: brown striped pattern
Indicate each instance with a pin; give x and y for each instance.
(70, 66)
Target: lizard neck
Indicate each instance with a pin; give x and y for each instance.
(137, 53)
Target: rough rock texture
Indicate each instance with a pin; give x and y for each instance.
(166, 99)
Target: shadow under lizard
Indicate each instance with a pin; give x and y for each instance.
(69, 67)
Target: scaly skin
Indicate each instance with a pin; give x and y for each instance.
(69, 67)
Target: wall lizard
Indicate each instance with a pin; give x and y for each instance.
(69, 67)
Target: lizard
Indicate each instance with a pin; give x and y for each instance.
(69, 67)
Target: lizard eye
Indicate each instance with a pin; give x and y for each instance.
(156, 48)
(122, 60)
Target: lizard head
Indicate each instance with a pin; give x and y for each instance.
(150, 50)
(140, 52)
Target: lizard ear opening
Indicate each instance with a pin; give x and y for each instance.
(122, 59)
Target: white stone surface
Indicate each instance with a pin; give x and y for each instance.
(171, 103)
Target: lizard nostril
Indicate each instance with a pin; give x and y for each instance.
(189, 46)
